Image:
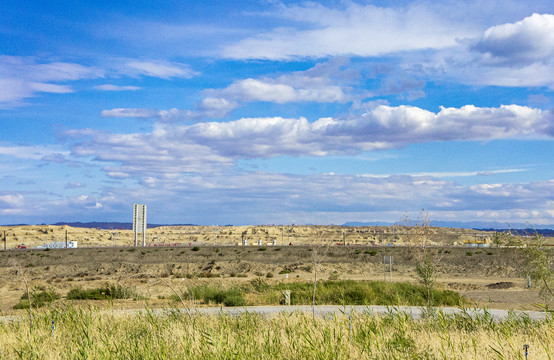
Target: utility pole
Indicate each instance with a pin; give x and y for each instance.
(66, 239)
(5, 240)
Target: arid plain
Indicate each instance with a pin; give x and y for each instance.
(177, 257)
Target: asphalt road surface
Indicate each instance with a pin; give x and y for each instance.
(330, 310)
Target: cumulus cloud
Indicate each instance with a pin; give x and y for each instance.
(528, 40)
(208, 146)
(8, 202)
(84, 202)
(515, 54)
(326, 82)
(272, 91)
(355, 29)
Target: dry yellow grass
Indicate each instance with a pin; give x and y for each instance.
(94, 334)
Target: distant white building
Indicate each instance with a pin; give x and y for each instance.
(59, 245)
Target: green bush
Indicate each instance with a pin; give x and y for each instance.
(370, 252)
(196, 248)
(233, 296)
(367, 293)
(108, 292)
(340, 292)
(39, 298)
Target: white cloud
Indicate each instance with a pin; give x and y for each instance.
(208, 108)
(84, 202)
(326, 82)
(203, 147)
(273, 91)
(32, 152)
(129, 113)
(159, 69)
(10, 201)
(528, 40)
(515, 54)
(75, 185)
(110, 87)
(360, 30)
(24, 77)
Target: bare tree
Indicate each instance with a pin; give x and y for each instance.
(426, 259)
(540, 266)
(156, 279)
(319, 249)
(22, 274)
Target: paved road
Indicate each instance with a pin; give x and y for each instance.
(329, 310)
(326, 310)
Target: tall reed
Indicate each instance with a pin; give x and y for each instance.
(90, 333)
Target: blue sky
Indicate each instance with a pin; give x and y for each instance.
(261, 112)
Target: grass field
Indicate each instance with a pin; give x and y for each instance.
(90, 333)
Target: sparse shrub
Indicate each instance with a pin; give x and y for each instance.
(370, 252)
(269, 275)
(212, 294)
(262, 249)
(196, 248)
(285, 271)
(39, 298)
(334, 276)
(207, 274)
(490, 253)
(108, 292)
(469, 253)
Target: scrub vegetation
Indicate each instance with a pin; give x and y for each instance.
(342, 292)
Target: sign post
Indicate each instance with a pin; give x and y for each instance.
(139, 222)
(387, 260)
